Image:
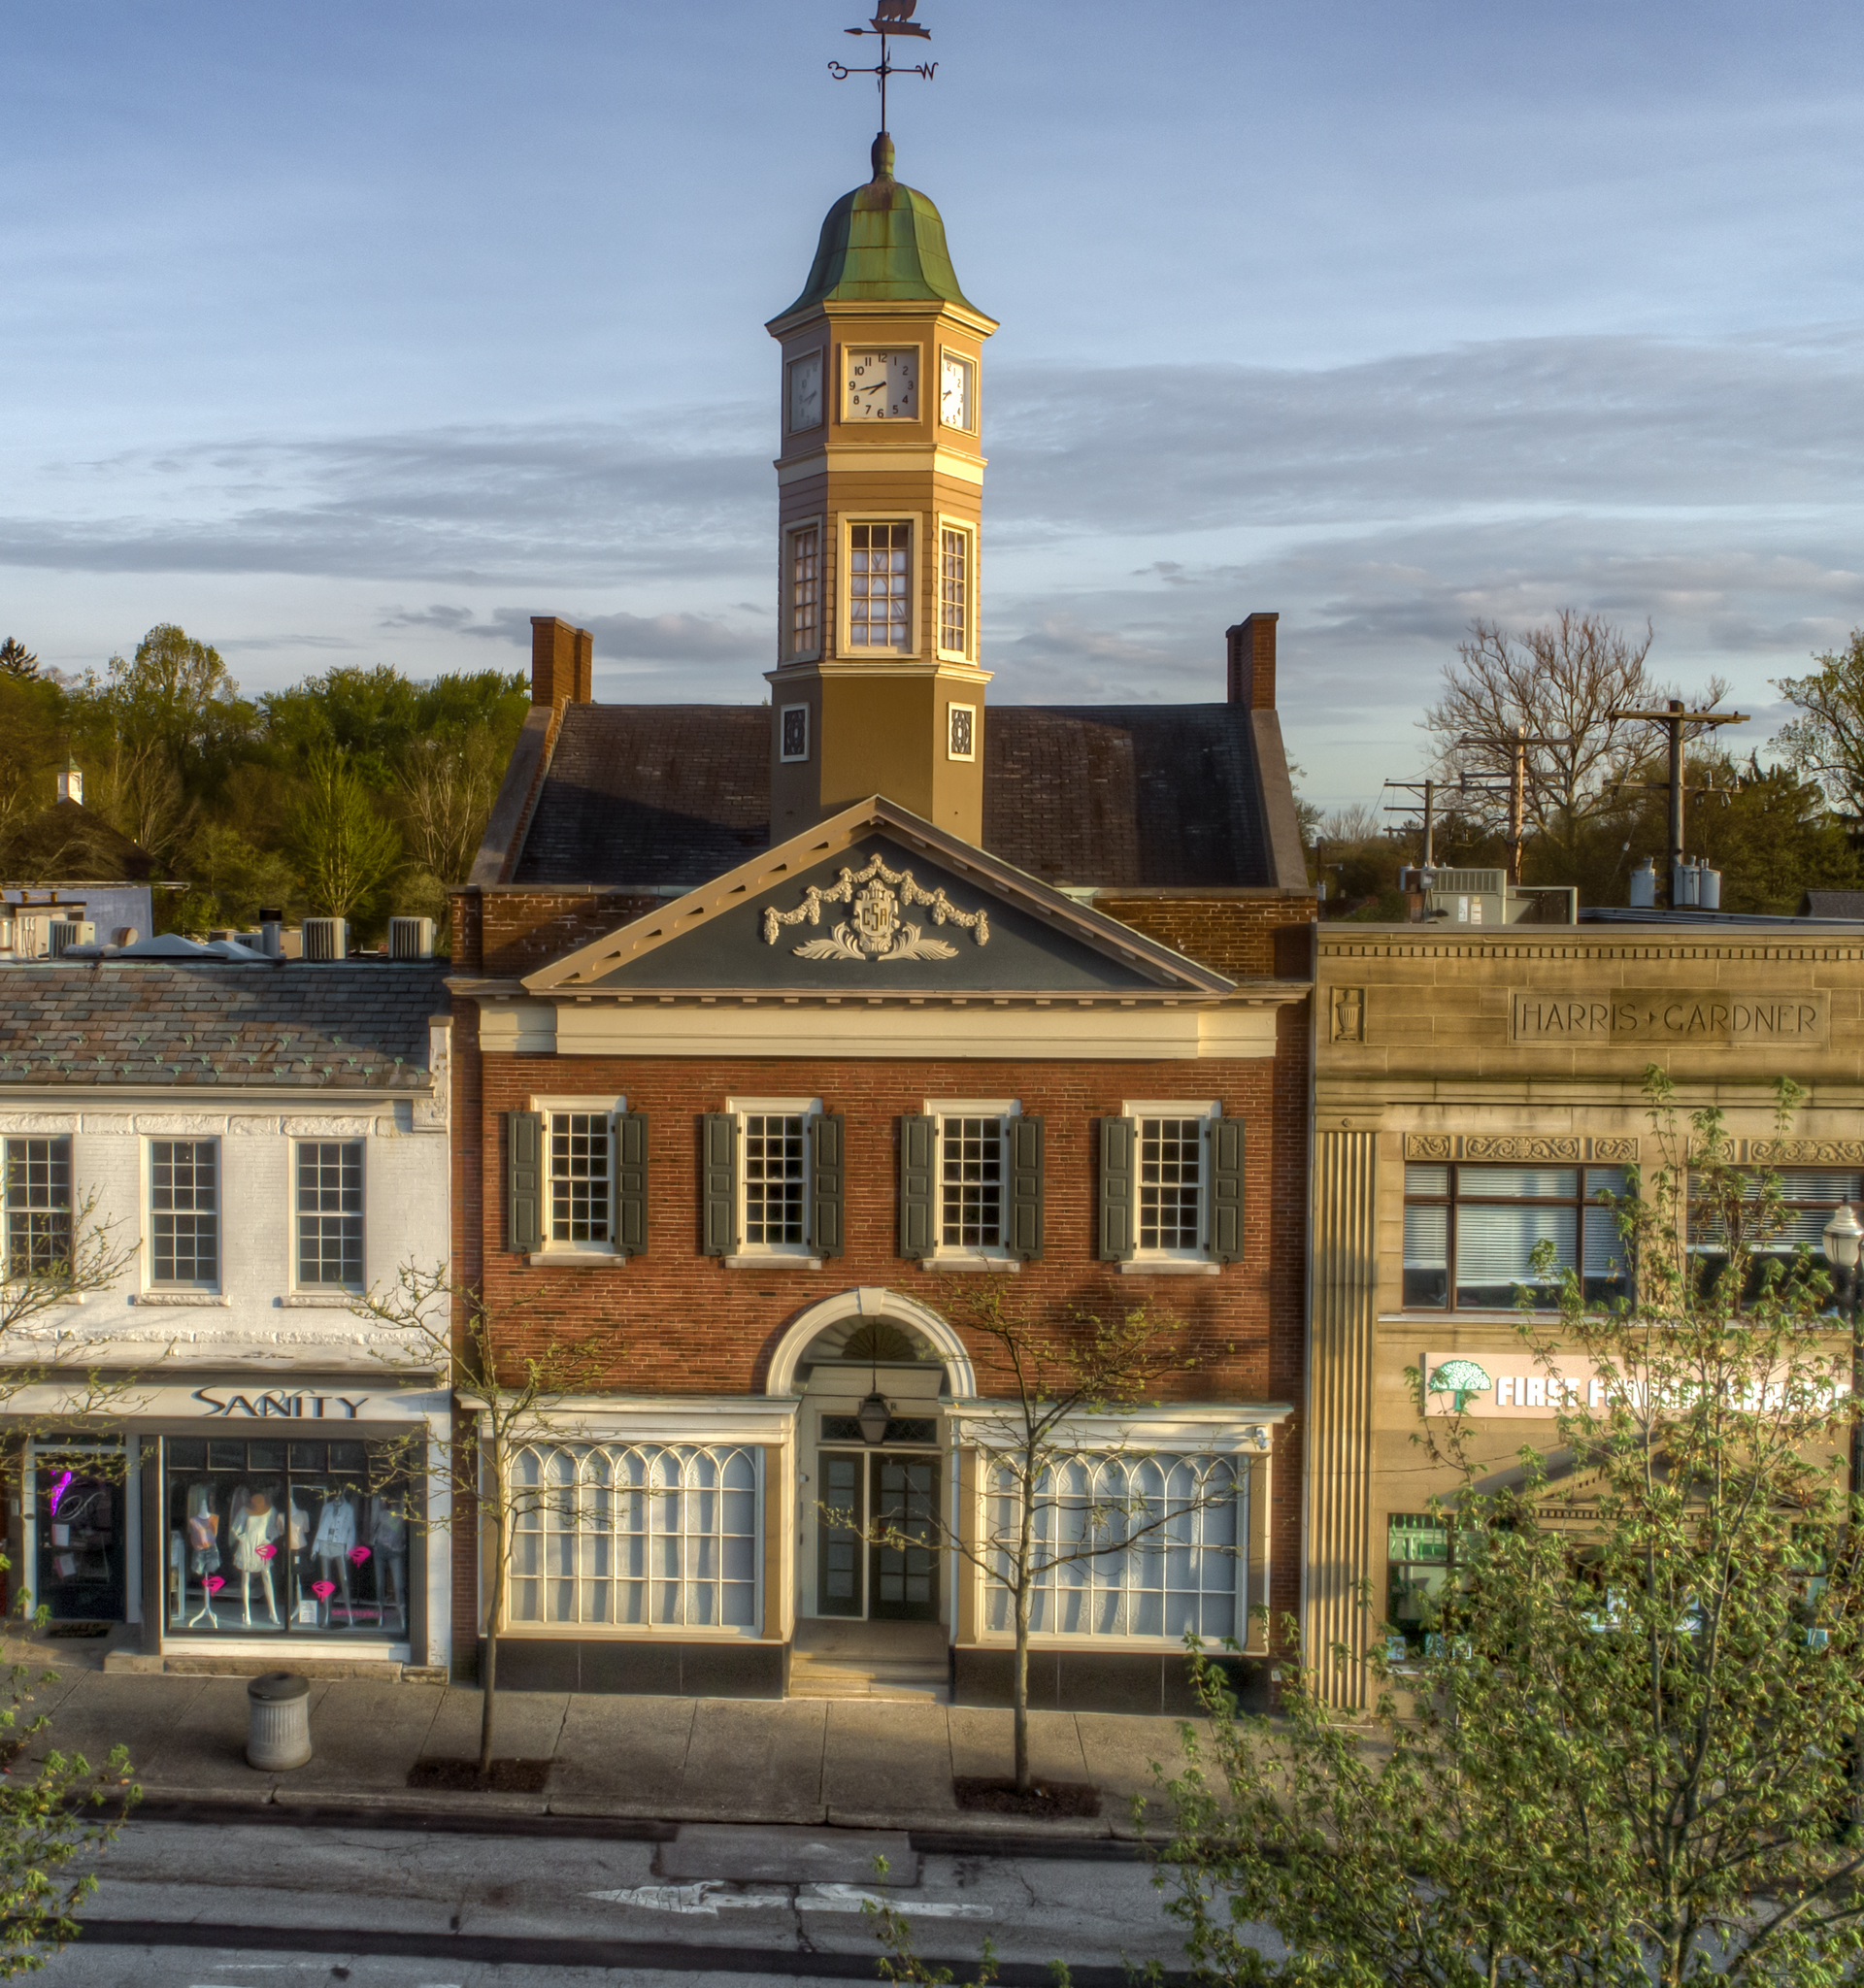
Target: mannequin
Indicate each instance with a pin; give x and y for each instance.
(389, 1534)
(203, 1550)
(336, 1534)
(256, 1528)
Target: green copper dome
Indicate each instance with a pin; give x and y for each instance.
(881, 243)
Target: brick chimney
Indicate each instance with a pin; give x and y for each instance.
(1252, 662)
(562, 662)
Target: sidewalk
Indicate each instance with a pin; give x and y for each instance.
(870, 1764)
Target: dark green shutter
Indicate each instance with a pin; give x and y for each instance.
(1116, 1193)
(631, 1184)
(1226, 1190)
(919, 1144)
(828, 1182)
(524, 1180)
(1025, 1189)
(717, 1183)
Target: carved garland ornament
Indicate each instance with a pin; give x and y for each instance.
(877, 931)
(1828, 1152)
(1564, 1149)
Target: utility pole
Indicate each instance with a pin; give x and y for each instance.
(1514, 742)
(1427, 789)
(1673, 717)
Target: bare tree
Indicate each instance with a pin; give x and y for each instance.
(1054, 1493)
(503, 1391)
(1559, 684)
(446, 790)
(1826, 739)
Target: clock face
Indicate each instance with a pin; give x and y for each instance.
(805, 392)
(955, 399)
(882, 387)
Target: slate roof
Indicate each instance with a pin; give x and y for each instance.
(312, 1028)
(1132, 795)
(1832, 904)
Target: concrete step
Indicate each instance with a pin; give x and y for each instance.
(867, 1677)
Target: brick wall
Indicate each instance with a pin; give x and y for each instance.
(1245, 938)
(514, 932)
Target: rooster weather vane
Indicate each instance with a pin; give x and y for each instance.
(890, 18)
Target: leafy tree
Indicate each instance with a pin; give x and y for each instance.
(1622, 1758)
(368, 716)
(345, 852)
(230, 880)
(1772, 839)
(1826, 739)
(16, 660)
(177, 695)
(503, 1384)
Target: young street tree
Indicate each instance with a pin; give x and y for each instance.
(1060, 1486)
(1623, 1756)
(501, 1382)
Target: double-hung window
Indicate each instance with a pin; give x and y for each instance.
(330, 1195)
(1472, 1233)
(1808, 1197)
(954, 590)
(771, 1181)
(577, 1179)
(805, 585)
(184, 1214)
(971, 1183)
(1170, 1181)
(38, 1205)
(880, 585)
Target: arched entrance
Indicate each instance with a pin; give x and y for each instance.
(869, 1609)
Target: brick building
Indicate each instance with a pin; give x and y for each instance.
(780, 1028)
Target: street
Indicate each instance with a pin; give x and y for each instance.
(267, 1905)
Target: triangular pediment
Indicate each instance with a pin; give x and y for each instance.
(876, 902)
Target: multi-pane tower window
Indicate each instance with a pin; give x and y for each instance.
(185, 1209)
(776, 1179)
(806, 590)
(579, 1197)
(38, 1205)
(878, 555)
(330, 1212)
(954, 589)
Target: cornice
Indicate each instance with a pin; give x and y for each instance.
(1585, 951)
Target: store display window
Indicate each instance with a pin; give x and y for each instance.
(82, 1551)
(278, 1537)
(1419, 1554)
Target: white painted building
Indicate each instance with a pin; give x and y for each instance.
(263, 1144)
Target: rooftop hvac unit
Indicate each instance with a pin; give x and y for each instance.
(62, 933)
(411, 938)
(326, 938)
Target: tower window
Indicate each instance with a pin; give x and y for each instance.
(806, 591)
(954, 589)
(795, 736)
(877, 585)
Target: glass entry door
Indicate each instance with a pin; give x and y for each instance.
(905, 1579)
(865, 1491)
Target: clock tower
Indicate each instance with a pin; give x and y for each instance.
(877, 687)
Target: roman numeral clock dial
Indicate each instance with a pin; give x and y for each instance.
(882, 387)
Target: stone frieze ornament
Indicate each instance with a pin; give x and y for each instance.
(877, 931)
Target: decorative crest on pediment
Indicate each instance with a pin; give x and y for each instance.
(877, 929)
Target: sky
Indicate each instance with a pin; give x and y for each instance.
(360, 334)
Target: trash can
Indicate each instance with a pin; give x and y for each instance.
(278, 1733)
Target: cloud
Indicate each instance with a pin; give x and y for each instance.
(639, 638)
(436, 617)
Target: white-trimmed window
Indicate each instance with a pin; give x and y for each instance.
(971, 1184)
(956, 562)
(184, 1214)
(38, 1205)
(772, 1182)
(581, 1177)
(792, 733)
(328, 1191)
(880, 585)
(961, 731)
(1176, 1529)
(803, 587)
(1171, 1179)
(773, 1186)
(638, 1535)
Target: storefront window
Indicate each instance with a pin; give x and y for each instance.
(1487, 1222)
(637, 1536)
(80, 1548)
(1809, 1194)
(1419, 1555)
(1182, 1574)
(278, 1536)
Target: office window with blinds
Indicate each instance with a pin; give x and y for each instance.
(1470, 1233)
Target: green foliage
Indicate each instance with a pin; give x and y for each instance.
(18, 660)
(346, 854)
(1623, 1757)
(900, 1961)
(1826, 739)
(231, 879)
(64, 1811)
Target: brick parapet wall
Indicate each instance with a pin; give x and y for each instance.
(1255, 938)
(515, 932)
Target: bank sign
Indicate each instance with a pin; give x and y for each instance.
(1647, 1017)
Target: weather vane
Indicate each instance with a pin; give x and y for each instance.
(890, 18)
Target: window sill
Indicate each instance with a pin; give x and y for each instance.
(575, 1259)
(1169, 1267)
(183, 1298)
(321, 1301)
(967, 1260)
(774, 1261)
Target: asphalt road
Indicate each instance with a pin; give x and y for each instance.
(274, 1906)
